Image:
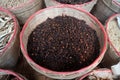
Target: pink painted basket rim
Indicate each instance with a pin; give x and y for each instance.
(11, 73)
(109, 41)
(15, 29)
(98, 70)
(75, 4)
(55, 72)
(117, 3)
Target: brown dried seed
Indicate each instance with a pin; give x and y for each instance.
(70, 49)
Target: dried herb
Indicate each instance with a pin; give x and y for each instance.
(6, 29)
(11, 3)
(73, 1)
(63, 44)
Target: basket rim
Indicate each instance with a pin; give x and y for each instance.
(117, 3)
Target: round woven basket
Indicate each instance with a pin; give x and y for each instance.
(60, 10)
(9, 55)
(112, 55)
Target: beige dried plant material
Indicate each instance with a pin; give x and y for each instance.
(114, 34)
(6, 29)
(11, 3)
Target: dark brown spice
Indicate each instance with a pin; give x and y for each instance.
(63, 44)
(73, 1)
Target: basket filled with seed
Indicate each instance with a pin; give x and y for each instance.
(64, 44)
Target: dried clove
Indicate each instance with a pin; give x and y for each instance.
(63, 52)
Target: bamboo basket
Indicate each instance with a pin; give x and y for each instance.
(60, 10)
(10, 54)
(112, 55)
